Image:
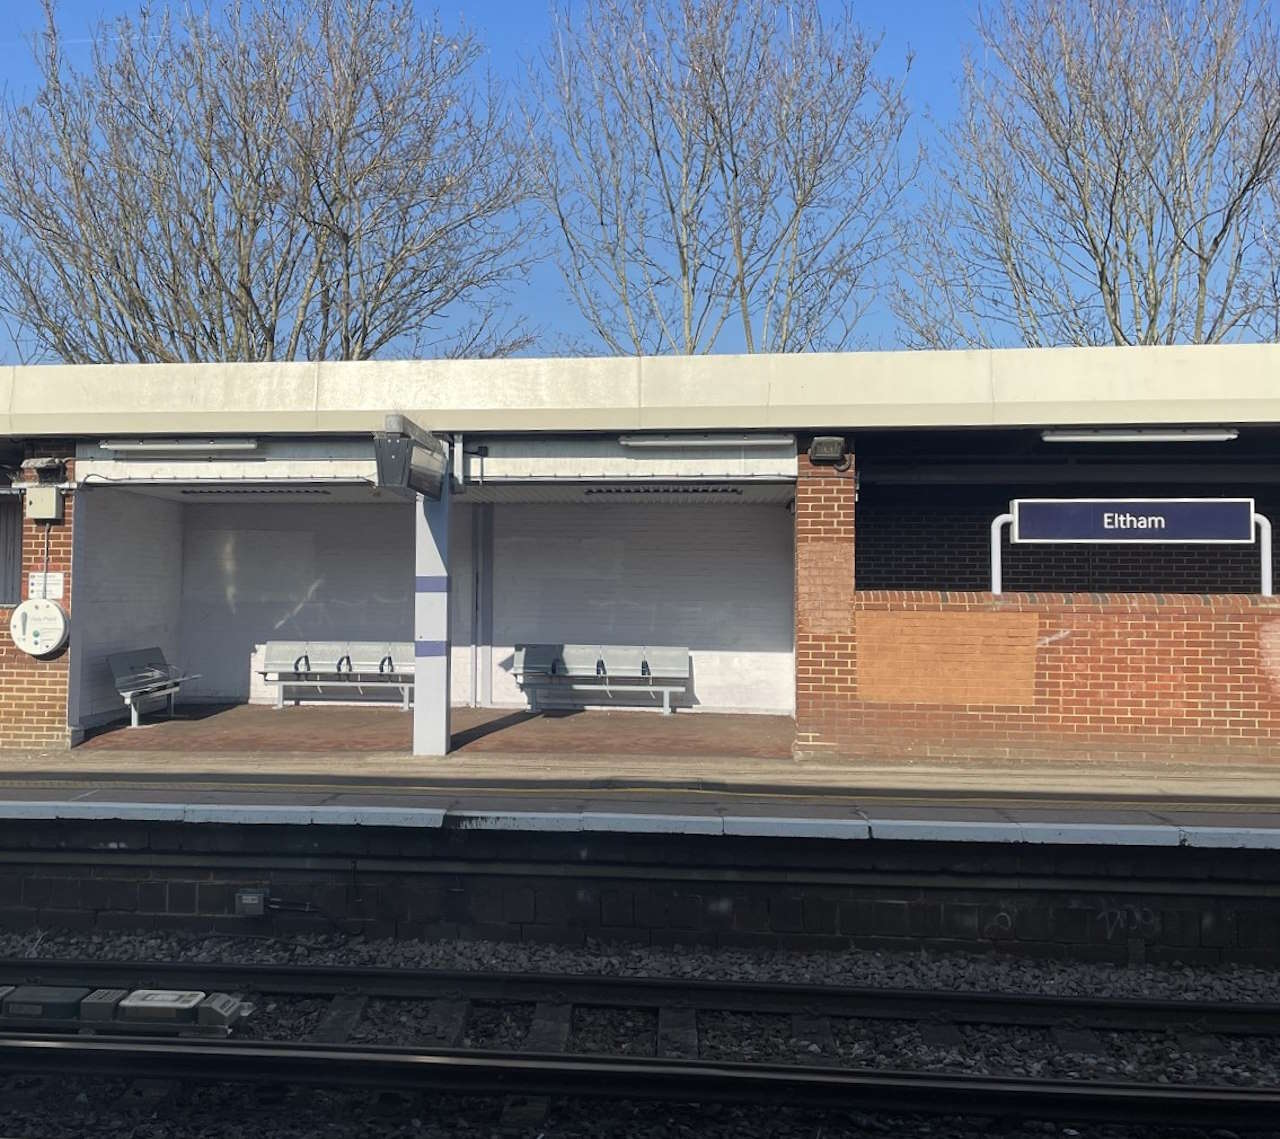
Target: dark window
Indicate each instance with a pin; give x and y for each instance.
(10, 549)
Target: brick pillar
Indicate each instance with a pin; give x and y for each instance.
(33, 693)
(825, 679)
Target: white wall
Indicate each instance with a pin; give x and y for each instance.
(127, 577)
(211, 582)
(289, 571)
(255, 571)
(715, 577)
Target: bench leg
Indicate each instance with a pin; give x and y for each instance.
(666, 701)
(172, 696)
(404, 697)
(133, 716)
(280, 697)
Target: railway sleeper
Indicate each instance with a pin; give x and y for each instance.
(549, 1033)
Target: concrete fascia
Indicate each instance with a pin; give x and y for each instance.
(1015, 387)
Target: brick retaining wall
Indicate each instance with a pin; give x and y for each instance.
(1088, 903)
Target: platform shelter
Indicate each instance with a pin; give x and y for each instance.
(839, 540)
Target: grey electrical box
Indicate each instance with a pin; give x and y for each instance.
(44, 504)
(101, 1004)
(251, 903)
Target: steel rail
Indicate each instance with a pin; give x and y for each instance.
(1133, 1014)
(461, 1072)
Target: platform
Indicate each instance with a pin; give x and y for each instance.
(623, 772)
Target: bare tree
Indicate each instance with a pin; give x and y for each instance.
(1110, 180)
(718, 168)
(276, 179)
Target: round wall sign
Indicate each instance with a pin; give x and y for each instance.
(39, 627)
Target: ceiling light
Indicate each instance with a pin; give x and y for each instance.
(254, 490)
(698, 442)
(1163, 435)
(615, 490)
(185, 444)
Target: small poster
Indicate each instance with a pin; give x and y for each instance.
(46, 586)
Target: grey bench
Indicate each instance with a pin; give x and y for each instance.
(145, 680)
(650, 669)
(339, 664)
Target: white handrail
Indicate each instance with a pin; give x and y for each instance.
(997, 525)
(1263, 524)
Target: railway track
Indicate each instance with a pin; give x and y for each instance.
(1103, 1013)
(611, 1078)
(542, 1066)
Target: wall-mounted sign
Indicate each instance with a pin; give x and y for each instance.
(48, 586)
(39, 628)
(1133, 520)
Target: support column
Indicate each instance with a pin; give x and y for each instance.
(826, 684)
(431, 625)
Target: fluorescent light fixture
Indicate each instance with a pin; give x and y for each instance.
(662, 490)
(1162, 435)
(242, 491)
(698, 442)
(184, 444)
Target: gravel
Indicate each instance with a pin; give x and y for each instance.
(76, 1108)
(613, 1031)
(1011, 1051)
(403, 1024)
(398, 1023)
(951, 971)
(758, 1038)
(500, 1027)
(281, 1018)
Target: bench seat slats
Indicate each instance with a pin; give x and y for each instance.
(144, 680)
(339, 664)
(661, 669)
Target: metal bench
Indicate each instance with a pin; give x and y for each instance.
(339, 664)
(650, 669)
(145, 680)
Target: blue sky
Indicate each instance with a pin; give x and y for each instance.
(937, 32)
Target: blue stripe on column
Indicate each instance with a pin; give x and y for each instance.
(430, 648)
(432, 585)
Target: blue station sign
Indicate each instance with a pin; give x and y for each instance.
(1133, 520)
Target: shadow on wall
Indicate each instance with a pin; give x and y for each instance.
(320, 572)
(718, 579)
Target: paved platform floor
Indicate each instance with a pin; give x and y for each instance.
(246, 728)
(621, 771)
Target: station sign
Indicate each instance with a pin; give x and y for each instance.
(1133, 520)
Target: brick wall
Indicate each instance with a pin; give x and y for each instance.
(901, 673)
(824, 529)
(1192, 905)
(938, 538)
(1144, 676)
(33, 693)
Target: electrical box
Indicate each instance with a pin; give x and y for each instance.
(44, 504)
(251, 903)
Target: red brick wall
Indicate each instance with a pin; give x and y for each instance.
(1058, 674)
(1137, 675)
(824, 601)
(33, 693)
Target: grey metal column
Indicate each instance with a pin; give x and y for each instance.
(431, 625)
